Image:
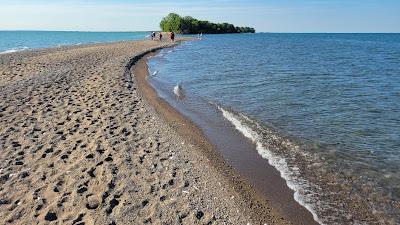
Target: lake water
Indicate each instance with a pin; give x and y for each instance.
(324, 109)
(11, 41)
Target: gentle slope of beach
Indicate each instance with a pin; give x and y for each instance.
(80, 145)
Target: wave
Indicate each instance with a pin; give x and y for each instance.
(290, 174)
(15, 50)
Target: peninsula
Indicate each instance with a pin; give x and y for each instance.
(189, 25)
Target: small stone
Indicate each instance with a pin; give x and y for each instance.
(50, 216)
(82, 189)
(199, 214)
(24, 174)
(4, 201)
(92, 202)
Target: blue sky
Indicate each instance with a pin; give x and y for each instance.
(265, 16)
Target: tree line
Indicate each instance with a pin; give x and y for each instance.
(189, 25)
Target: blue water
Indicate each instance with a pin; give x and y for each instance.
(335, 98)
(11, 41)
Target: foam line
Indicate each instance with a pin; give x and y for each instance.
(289, 174)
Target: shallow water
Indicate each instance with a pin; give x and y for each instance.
(324, 110)
(12, 41)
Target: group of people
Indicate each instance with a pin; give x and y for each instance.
(160, 36)
(171, 36)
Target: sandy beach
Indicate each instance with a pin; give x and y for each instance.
(81, 144)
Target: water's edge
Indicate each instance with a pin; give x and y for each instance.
(262, 176)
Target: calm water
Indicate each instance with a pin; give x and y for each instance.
(11, 41)
(325, 107)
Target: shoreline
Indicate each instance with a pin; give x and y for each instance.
(68, 42)
(194, 134)
(80, 145)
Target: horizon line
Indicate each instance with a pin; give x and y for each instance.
(286, 32)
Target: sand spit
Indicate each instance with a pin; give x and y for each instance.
(80, 146)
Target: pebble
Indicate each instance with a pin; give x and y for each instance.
(50, 216)
(199, 214)
(92, 202)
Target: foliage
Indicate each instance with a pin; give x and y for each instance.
(189, 25)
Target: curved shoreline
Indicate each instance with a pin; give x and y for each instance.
(80, 145)
(256, 200)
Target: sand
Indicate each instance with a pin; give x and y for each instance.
(81, 145)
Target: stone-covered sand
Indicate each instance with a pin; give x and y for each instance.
(78, 145)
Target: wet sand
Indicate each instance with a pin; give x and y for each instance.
(251, 174)
(79, 145)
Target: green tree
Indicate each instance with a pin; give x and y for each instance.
(189, 25)
(172, 22)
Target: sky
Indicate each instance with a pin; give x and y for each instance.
(145, 15)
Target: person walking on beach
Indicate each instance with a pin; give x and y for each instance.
(160, 36)
(172, 36)
(153, 36)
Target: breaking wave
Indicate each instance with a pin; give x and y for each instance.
(290, 174)
(15, 50)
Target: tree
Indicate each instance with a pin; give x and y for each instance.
(172, 22)
(189, 25)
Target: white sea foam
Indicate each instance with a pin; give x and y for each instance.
(178, 91)
(158, 55)
(14, 50)
(154, 73)
(290, 174)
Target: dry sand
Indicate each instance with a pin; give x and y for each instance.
(79, 145)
